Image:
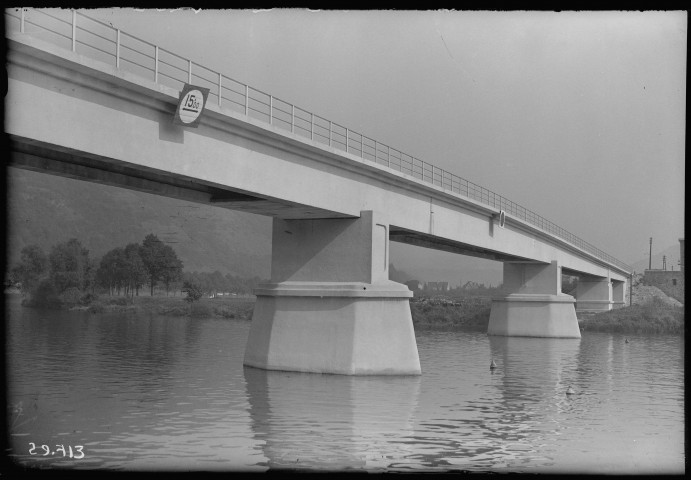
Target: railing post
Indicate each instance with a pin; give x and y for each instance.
(189, 71)
(311, 126)
(271, 110)
(388, 156)
(21, 21)
(74, 30)
(362, 151)
(247, 100)
(156, 64)
(292, 118)
(329, 132)
(220, 88)
(347, 133)
(117, 48)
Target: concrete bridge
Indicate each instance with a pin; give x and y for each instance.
(90, 102)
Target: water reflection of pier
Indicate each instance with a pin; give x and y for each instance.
(533, 376)
(331, 422)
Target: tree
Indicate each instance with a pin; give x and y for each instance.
(31, 268)
(135, 270)
(160, 260)
(111, 271)
(194, 293)
(172, 273)
(70, 266)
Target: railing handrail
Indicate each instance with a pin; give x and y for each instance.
(435, 175)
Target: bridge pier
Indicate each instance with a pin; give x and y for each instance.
(330, 306)
(534, 305)
(618, 294)
(593, 295)
(599, 294)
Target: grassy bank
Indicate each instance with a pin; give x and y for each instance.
(469, 313)
(655, 316)
(240, 308)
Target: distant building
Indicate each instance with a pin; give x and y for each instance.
(670, 282)
(437, 286)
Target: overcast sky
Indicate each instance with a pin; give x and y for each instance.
(578, 116)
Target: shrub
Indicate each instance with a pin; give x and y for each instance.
(71, 296)
(224, 312)
(88, 298)
(240, 310)
(194, 293)
(174, 310)
(120, 301)
(96, 307)
(200, 310)
(45, 295)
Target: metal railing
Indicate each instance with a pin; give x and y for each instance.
(99, 40)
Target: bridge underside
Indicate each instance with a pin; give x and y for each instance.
(57, 160)
(424, 240)
(330, 307)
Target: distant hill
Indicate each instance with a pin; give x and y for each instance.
(46, 210)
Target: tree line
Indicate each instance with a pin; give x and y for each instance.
(67, 273)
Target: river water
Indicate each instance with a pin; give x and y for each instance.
(138, 392)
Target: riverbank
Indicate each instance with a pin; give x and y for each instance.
(441, 313)
(657, 315)
(228, 307)
(240, 308)
(654, 316)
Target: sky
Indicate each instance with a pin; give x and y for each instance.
(578, 116)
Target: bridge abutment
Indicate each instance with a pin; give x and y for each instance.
(534, 305)
(330, 306)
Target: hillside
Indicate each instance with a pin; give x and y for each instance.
(46, 210)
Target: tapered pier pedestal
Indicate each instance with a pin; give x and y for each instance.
(519, 315)
(330, 307)
(343, 328)
(534, 305)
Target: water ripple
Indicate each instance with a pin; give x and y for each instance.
(157, 393)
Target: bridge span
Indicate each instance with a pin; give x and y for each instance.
(89, 102)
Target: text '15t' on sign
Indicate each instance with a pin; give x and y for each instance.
(191, 105)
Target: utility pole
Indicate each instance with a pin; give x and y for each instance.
(664, 262)
(631, 289)
(650, 255)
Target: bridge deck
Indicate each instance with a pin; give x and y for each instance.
(95, 39)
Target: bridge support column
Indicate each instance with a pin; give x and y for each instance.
(594, 295)
(330, 306)
(618, 294)
(534, 305)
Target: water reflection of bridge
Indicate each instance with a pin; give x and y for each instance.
(331, 422)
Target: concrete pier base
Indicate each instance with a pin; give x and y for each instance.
(534, 305)
(526, 315)
(330, 306)
(351, 329)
